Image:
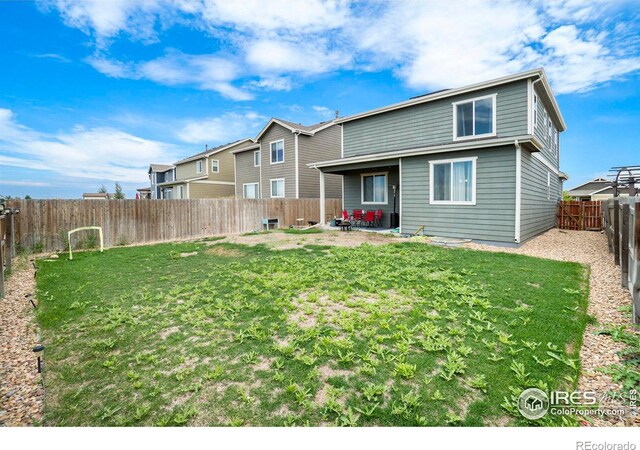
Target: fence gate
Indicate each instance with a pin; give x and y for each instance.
(576, 215)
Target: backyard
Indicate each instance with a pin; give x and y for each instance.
(216, 333)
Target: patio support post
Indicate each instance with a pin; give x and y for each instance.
(322, 212)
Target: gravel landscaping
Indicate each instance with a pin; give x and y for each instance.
(606, 297)
(21, 399)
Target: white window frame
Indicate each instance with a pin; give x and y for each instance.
(259, 158)
(271, 152)
(271, 187)
(473, 100)
(535, 110)
(244, 193)
(168, 193)
(386, 188)
(215, 169)
(432, 201)
(548, 185)
(199, 166)
(180, 192)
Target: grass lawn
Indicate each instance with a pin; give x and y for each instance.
(401, 334)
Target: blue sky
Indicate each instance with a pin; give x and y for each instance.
(92, 92)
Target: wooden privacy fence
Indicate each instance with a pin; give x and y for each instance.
(622, 225)
(575, 215)
(43, 224)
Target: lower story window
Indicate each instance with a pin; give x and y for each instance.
(250, 190)
(374, 188)
(277, 188)
(180, 191)
(548, 185)
(453, 181)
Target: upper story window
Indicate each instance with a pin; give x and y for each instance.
(256, 158)
(535, 110)
(277, 151)
(453, 181)
(474, 118)
(198, 166)
(215, 166)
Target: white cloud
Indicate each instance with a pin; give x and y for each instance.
(207, 72)
(25, 183)
(220, 130)
(428, 44)
(96, 153)
(278, 56)
(324, 112)
(579, 62)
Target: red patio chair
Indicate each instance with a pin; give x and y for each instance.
(378, 218)
(369, 218)
(357, 217)
(345, 215)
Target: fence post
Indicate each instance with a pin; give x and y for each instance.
(8, 251)
(616, 230)
(2, 218)
(635, 268)
(624, 244)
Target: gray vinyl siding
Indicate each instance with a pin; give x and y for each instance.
(432, 123)
(353, 196)
(285, 170)
(322, 146)
(493, 216)
(540, 129)
(245, 171)
(538, 214)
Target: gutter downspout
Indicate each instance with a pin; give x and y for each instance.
(295, 137)
(518, 191)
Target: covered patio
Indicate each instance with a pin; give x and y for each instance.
(368, 187)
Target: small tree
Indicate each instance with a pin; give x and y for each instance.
(27, 197)
(118, 195)
(102, 190)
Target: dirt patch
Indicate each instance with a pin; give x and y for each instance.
(218, 250)
(282, 241)
(263, 364)
(309, 308)
(21, 397)
(186, 255)
(164, 334)
(325, 373)
(606, 296)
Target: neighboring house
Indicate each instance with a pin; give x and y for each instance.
(159, 174)
(278, 166)
(144, 193)
(596, 189)
(209, 174)
(478, 162)
(95, 196)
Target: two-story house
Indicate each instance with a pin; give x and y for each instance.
(478, 162)
(158, 175)
(278, 165)
(208, 174)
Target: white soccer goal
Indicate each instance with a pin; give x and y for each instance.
(82, 229)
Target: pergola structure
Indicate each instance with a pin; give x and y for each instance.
(625, 177)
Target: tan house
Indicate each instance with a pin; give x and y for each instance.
(209, 174)
(277, 165)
